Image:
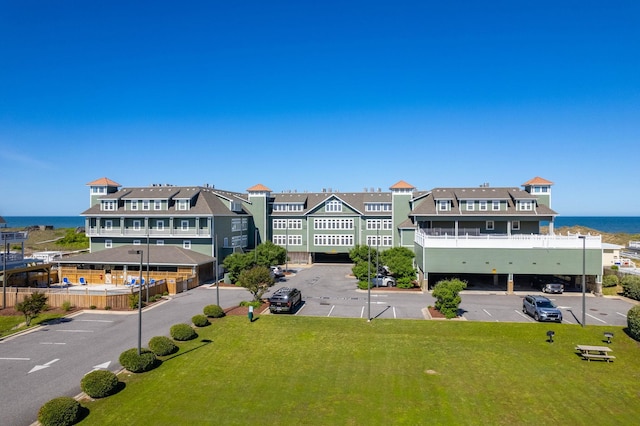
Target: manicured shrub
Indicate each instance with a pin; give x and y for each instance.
(633, 322)
(99, 383)
(447, 296)
(182, 332)
(200, 320)
(107, 308)
(162, 345)
(631, 286)
(213, 311)
(66, 306)
(135, 363)
(610, 281)
(59, 411)
(93, 307)
(133, 301)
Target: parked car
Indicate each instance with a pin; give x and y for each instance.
(541, 308)
(277, 272)
(285, 299)
(556, 288)
(383, 281)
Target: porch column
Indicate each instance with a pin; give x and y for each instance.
(551, 231)
(509, 283)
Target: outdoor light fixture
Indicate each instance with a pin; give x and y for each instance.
(550, 335)
(608, 335)
(584, 285)
(140, 252)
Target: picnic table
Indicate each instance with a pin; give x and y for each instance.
(595, 352)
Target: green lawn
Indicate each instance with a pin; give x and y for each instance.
(9, 324)
(302, 370)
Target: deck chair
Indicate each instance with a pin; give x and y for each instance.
(82, 281)
(65, 281)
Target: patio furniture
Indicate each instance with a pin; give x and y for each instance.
(595, 352)
(82, 281)
(65, 281)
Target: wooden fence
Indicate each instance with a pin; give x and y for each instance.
(86, 297)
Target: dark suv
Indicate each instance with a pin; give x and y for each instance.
(285, 299)
(541, 308)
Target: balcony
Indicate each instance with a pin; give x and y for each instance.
(442, 238)
(13, 237)
(156, 233)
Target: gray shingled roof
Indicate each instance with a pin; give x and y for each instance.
(313, 200)
(158, 255)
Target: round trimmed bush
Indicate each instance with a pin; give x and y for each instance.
(135, 363)
(99, 383)
(60, 411)
(182, 332)
(633, 322)
(213, 311)
(162, 345)
(200, 321)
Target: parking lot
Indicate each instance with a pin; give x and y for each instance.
(328, 290)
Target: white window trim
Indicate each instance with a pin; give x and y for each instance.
(491, 225)
(482, 205)
(471, 205)
(134, 205)
(108, 244)
(186, 245)
(515, 225)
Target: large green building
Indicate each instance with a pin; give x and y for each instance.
(486, 233)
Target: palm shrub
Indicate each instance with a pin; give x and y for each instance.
(633, 322)
(213, 311)
(610, 281)
(59, 411)
(99, 383)
(182, 332)
(135, 363)
(631, 286)
(162, 346)
(200, 320)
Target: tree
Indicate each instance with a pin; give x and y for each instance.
(268, 254)
(236, 263)
(364, 258)
(399, 260)
(447, 296)
(31, 306)
(257, 280)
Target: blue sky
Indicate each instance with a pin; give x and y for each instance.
(342, 95)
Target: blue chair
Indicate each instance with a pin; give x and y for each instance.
(82, 281)
(65, 281)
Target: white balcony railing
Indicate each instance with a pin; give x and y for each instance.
(165, 233)
(571, 241)
(13, 237)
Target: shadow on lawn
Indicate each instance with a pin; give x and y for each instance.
(204, 342)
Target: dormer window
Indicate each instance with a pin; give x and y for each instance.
(444, 205)
(134, 205)
(495, 205)
(182, 205)
(145, 204)
(470, 206)
(525, 205)
(109, 205)
(483, 206)
(333, 206)
(157, 205)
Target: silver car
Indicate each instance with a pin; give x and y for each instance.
(541, 308)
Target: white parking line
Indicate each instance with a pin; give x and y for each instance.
(523, 315)
(362, 312)
(487, 312)
(75, 331)
(85, 320)
(332, 306)
(622, 315)
(597, 319)
(52, 343)
(15, 359)
(394, 313)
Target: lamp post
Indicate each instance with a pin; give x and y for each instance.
(215, 273)
(140, 252)
(4, 272)
(148, 253)
(584, 285)
(369, 284)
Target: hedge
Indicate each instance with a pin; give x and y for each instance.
(182, 332)
(213, 311)
(162, 345)
(633, 322)
(99, 383)
(61, 411)
(631, 286)
(135, 363)
(200, 320)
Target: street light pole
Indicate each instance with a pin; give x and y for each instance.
(369, 285)
(141, 253)
(148, 282)
(215, 237)
(584, 285)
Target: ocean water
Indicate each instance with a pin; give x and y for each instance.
(55, 221)
(608, 224)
